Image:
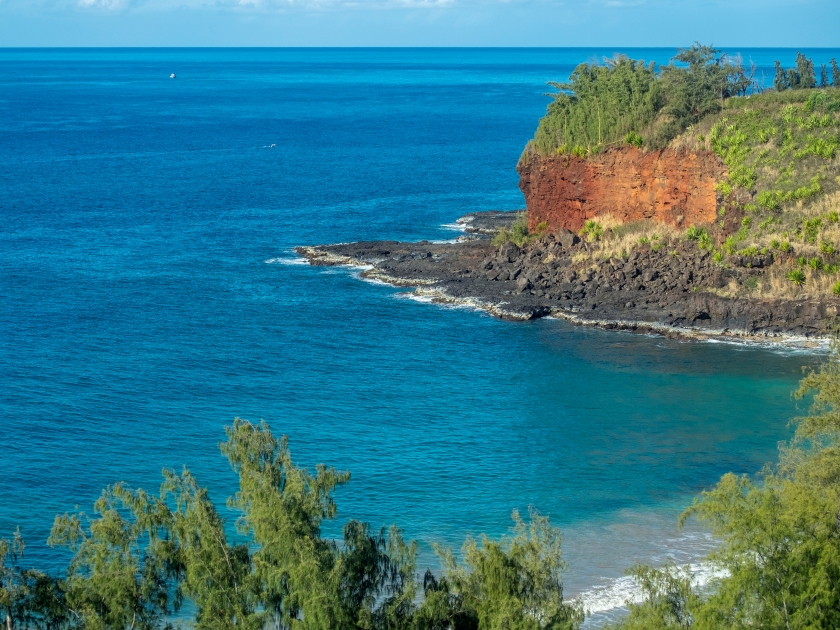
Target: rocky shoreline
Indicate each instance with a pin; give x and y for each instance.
(657, 291)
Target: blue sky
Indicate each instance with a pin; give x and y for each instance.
(772, 23)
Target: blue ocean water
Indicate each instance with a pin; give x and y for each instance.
(150, 295)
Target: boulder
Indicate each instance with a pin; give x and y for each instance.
(567, 238)
(509, 250)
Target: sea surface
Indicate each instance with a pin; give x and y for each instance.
(149, 294)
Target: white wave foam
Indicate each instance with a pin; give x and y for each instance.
(785, 345)
(370, 280)
(615, 594)
(425, 299)
(458, 227)
(297, 260)
(435, 298)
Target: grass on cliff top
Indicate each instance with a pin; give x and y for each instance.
(779, 148)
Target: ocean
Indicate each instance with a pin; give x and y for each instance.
(150, 294)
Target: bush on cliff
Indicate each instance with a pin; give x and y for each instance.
(626, 100)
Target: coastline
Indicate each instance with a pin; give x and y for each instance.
(453, 273)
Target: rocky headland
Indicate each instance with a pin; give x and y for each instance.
(673, 286)
(651, 290)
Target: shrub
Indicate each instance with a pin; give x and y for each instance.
(815, 263)
(796, 276)
(634, 139)
(592, 231)
(694, 233)
(826, 248)
(802, 261)
(518, 232)
(836, 288)
(785, 247)
(811, 228)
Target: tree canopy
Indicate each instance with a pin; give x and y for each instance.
(626, 101)
(141, 560)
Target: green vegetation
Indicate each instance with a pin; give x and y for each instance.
(779, 561)
(137, 560)
(628, 101)
(140, 557)
(781, 148)
(518, 232)
(796, 276)
(592, 231)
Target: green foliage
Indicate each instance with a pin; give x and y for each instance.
(796, 276)
(826, 248)
(694, 233)
(512, 584)
(592, 231)
(634, 139)
(778, 563)
(695, 91)
(800, 78)
(625, 100)
(518, 232)
(28, 598)
(777, 146)
(124, 569)
(668, 599)
(836, 288)
(600, 104)
(139, 557)
(815, 263)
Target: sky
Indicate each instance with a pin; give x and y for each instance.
(626, 23)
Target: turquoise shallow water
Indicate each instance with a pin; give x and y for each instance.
(149, 296)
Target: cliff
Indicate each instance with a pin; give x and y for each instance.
(673, 186)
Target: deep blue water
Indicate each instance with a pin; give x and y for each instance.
(139, 314)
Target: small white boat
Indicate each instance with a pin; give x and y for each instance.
(172, 76)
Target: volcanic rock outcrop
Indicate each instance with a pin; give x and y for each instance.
(673, 186)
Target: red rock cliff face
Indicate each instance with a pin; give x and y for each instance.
(669, 186)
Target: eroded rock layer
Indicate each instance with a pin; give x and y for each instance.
(673, 186)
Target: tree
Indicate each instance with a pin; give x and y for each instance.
(305, 581)
(125, 568)
(669, 600)
(139, 557)
(215, 575)
(780, 81)
(514, 583)
(599, 105)
(779, 558)
(805, 72)
(27, 597)
(835, 73)
(823, 76)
